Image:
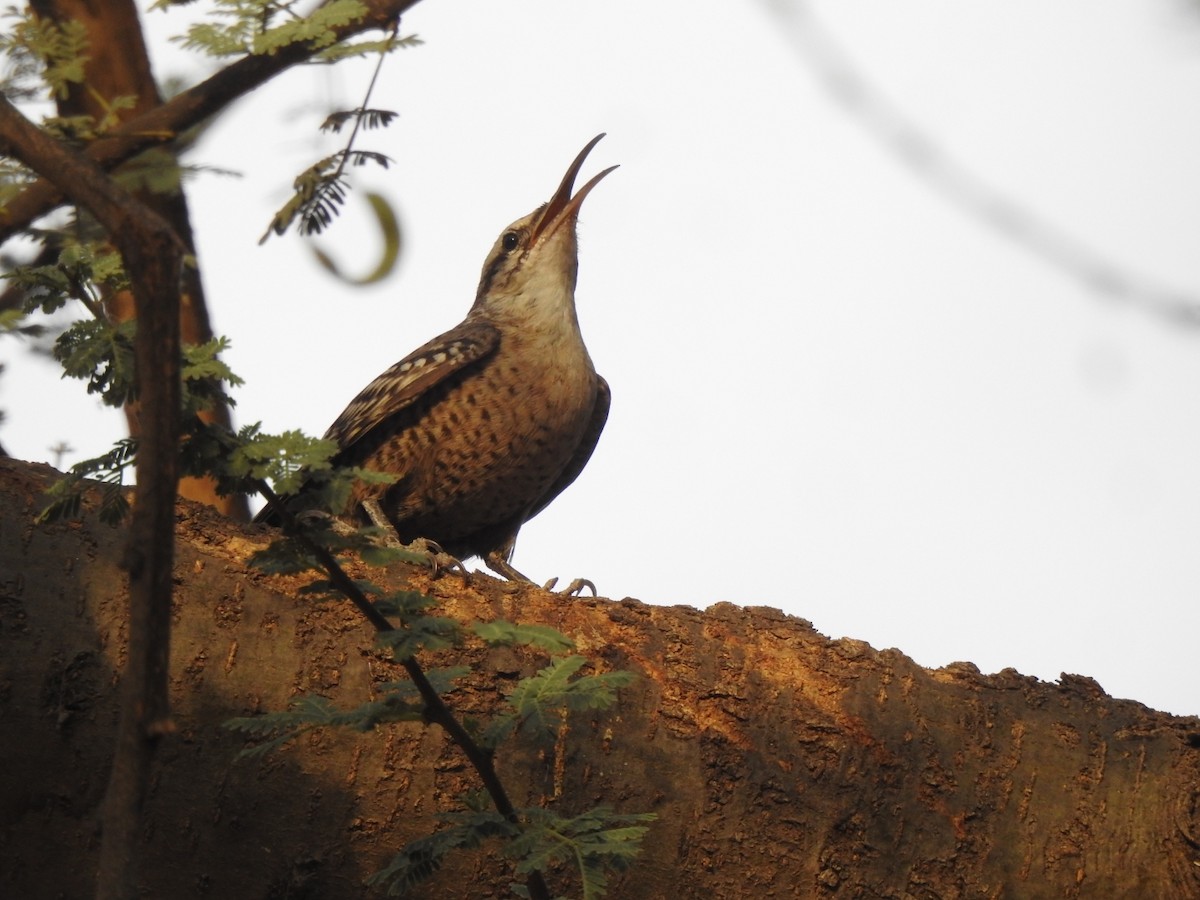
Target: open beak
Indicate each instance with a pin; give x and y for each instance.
(562, 206)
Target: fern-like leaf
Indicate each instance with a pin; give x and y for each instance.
(65, 496)
(368, 118)
(246, 26)
(417, 634)
(421, 858)
(595, 842)
(348, 49)
(543, 637)
(404, 605)
(363, 157)
(397, 702)
(541, 700)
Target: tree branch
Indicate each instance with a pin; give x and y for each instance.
(162, 124)
(436, 709)
(118, 65)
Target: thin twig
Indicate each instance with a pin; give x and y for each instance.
(924, 155)
(366, 100)
(436, 710)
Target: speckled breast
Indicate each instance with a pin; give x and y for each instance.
(486, 450)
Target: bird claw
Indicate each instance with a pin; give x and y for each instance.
(435, 557)
(501, 566)
(574, 589)
(430, 552)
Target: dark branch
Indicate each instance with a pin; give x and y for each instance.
(153, 258)
(436, 710)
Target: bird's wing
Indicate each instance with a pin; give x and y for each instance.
(583, 452)
(408, 380)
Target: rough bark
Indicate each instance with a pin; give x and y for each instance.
(781, 763)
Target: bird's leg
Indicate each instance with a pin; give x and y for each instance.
(498, 563)
(375, 513)
(436, 558)
(501, 566)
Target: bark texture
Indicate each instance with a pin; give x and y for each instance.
(780, 763)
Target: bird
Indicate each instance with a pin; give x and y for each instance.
(485, 425)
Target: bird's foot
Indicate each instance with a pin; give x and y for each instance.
(428, 552)
(502, 566)
(432, 555)
(574, 589)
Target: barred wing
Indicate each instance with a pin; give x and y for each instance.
(408, 380)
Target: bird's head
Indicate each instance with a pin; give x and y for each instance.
(534, 261)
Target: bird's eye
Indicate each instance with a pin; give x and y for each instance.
(510, 240)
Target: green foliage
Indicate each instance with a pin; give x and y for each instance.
(291, 461)
(320, 191)
(14, 178)
(100, 353)
(240, 462)
(83, 128)
(283, 459)
(65, 496)
(557, 687)
(156, 170)
(263, 27)
(404, 605)
(423, 857)
(41, 52)
(398, 701)
(368, 118)
(291, 555)
(417, 634)
(12, 321)
(500, 632)
(93, 350)
(351, 49)
(205, 375)
(376, 554)
(79, 271)
(594, 842)
(540, 703)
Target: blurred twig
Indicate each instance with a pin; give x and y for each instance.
(922, 153)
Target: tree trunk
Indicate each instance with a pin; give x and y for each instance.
(780, 763)
(119, 66)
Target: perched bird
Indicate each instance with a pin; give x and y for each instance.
(486, 424)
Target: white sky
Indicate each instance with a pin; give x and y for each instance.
(834, 392)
